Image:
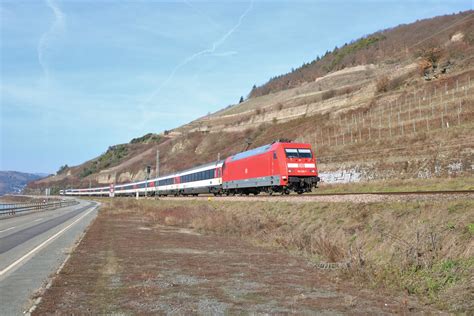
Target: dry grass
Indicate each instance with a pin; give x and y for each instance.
(422, 248)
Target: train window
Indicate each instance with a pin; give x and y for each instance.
(274, 155)
(304, 153)
(291, 153)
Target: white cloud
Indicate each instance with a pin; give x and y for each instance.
(58, 27)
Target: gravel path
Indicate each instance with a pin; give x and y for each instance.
(352, 198)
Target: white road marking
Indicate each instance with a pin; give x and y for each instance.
(1, 231)
(11, 266)
(38, 219)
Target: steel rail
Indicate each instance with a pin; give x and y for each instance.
(393, 192)
(313, 194)
(433, 192)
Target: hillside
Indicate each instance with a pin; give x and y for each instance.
(394, 104)
(13, 182)
(392, 45)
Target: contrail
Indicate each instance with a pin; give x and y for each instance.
(208, 51)
(58, 26)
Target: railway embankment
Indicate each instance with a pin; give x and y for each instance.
(416, 254)
(421, 247)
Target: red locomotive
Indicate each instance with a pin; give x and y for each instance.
(278, 167)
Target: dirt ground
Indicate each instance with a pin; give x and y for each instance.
(127, 265)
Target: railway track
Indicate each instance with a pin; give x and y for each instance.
(360, 193)
(358, 197)
(313, 195)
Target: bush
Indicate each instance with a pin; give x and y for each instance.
(62, 169)
(382, 84)
(146, 139)
(328, 94)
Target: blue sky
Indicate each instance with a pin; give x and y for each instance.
(79, 76)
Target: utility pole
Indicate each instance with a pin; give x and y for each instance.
(148, 170)
(157, 163)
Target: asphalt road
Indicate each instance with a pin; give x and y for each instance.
(32, 248)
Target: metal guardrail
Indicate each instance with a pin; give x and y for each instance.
(13, 208)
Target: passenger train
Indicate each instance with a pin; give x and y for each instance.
(280, 167)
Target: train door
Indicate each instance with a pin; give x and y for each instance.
(274, 164)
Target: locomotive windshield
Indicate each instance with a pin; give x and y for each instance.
(291, 153)
(304, 153)
(298, 153)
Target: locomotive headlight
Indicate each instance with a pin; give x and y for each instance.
(289, 170)
(313, 171)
